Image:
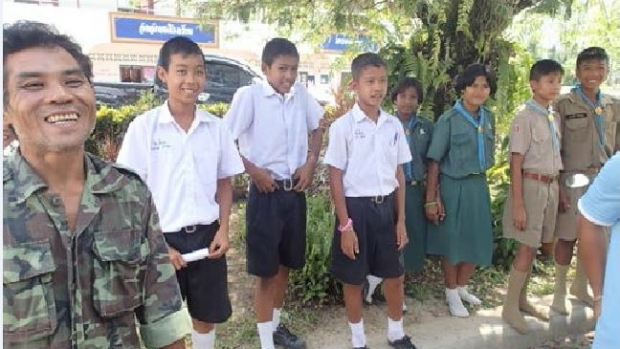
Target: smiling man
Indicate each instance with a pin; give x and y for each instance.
(83, 252)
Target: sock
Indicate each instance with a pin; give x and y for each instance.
(395, 330)
(203, 340)
(358, 337)
(265, 333)
(276, 318)
(373, 282)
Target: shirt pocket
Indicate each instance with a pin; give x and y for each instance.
(118, 270)
(29, 302)
(461, 146)
(541, 135)
(577, 129)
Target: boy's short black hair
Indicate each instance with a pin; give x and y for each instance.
(178, 44)
(592, 53)
(406, 83)
(23, 35)
(365, 60)
(467, 77)
(278, 47)
(545, 67)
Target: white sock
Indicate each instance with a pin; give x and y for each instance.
(358, 337)
(265, 333)
(203, 340)
(395, 330)
(276, 318)
(373, 282)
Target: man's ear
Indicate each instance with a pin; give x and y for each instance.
(162, 74)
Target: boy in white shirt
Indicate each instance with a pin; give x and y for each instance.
(187, 157)
(272, 121)
(367, 148)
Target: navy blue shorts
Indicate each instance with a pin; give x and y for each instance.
(375, 225)
(203, 283)
(275, 231)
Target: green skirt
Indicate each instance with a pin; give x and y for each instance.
(416, 222)
(466, 234)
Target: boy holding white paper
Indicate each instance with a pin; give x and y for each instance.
(187, 157)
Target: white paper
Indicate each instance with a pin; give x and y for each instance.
(195, 255)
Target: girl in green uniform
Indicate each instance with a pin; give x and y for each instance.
(457, 195)
(407, 96)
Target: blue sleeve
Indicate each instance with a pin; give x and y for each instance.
(601, 203)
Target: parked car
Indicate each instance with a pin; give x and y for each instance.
(224, 76)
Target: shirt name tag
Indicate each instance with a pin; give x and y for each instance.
(359, 134)
(159, 144)
(576, 116)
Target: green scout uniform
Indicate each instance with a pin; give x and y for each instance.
(465, 234)
(418, 132)
(84, 289)
(535, 135)
(583, 148)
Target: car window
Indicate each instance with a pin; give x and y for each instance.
(223, 75)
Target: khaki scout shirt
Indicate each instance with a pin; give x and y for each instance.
(530, 136)
(455, 144)
(580, 139)
(84, 289)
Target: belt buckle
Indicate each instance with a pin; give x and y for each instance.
(287, 184)
(413, 183)
(379, 199)
(190, 229)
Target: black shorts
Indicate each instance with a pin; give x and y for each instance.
(203, 283)
(275, 231)
(375, 226)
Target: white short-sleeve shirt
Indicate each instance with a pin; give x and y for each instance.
(367, 152)
(181, 168)
(273, 129)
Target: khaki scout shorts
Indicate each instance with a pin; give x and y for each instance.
(541, 207)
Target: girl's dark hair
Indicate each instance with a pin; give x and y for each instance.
(404, 84)
(467, 77)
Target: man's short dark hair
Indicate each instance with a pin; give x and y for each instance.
(364, 60)
(278, 47)
(406, 83)
(592, 53)
(545, 67)
(23, 35)
(467, 77)
(177, 45)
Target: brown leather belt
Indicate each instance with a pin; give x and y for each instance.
(540, 177)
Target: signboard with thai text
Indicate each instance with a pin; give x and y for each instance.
(141, 28)
(342, 42)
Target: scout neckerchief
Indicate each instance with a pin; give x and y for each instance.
(598, 112)
(408, 130)
(550, 120)
(479, 126)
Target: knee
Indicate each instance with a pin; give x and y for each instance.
(202, 327)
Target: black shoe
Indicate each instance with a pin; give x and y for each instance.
(364, 347)
(282, 336)
(403, 343)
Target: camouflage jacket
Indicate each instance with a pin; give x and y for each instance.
(85, 289)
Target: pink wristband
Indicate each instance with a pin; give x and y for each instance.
(347, 226)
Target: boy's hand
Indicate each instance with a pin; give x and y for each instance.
(263, 181)
(219, 245)
(564, 201)
(401, 235)
(519, 217)
(349, 244)
(176, 259)
(304, 175)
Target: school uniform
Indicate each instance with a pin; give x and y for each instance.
(272, 131)
(181, 169)
(588, 141)
(368, 153)
(418, 132)
(535, 134)
(464, 153)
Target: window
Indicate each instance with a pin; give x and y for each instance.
(223, 75)
(137, 73)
